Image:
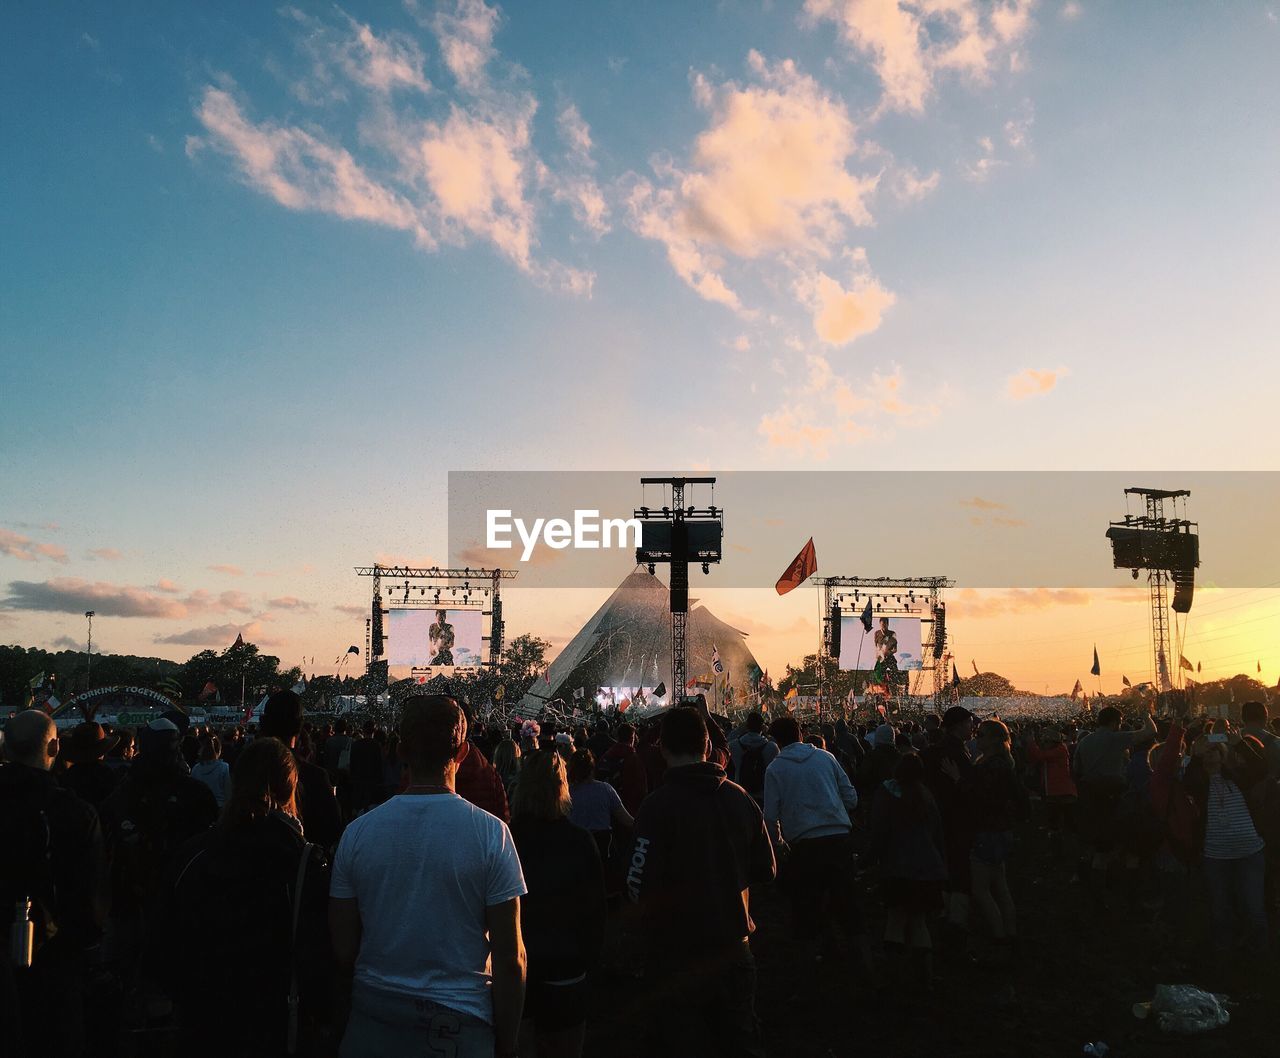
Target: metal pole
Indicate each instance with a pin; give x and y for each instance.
(89, 666)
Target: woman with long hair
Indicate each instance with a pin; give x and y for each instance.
(506, 762)
(994, 800)
(241, 879)
(562, 917)
(905, 837)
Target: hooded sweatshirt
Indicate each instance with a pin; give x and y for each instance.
(808, 793)
(700, 844)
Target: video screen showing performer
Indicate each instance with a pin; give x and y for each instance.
(440, 639)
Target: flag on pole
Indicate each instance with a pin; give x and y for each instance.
(1197, 666)
(581, 692)
(802, 567)
(350, 650)
(716, 663)
(955, 675)
(660, 691)
(792, 693)
(1075, 691)
(975, 667)
(1259, 666)
(1183, 663)
(1125, 681)
(691, 683)
(239, 641)
(866, 616)
(1097, 668)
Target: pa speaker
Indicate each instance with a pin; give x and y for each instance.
(1184, 586)
(834, 625)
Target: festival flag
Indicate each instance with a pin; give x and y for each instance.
(716, 663)
(1183, 663)
(691, 683)
(581, 692)
(500, 692)
(350, 650)
(1125, 681)
(1097, 668)
(792, 693)
(210, 690)
(802, 567)
(1197, 666)
(1075, 691)
(239, 641)
(660, 691)
(866, 616)
(1259, 666)
(955, 675)
(975, 667)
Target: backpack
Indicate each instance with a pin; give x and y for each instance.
(26, 871)
(1142, 828)
(609, 769)
(142, 842)
(751, 771)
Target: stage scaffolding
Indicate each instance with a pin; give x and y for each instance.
(889, 597)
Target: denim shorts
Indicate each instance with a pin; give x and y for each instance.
(992, 847)
(383, 1024)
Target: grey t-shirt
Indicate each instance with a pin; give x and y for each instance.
(1101, 753)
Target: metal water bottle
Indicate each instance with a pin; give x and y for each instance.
(22, 936)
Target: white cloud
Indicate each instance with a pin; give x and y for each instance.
(840, 315)
(1033, 383)
(1070, 10)
(768, 177)
(575, 184)
(910, 43)
(466, 40)
(468, 173)
(741, 343)
(909, 186)
(24, 548)
(828, 410)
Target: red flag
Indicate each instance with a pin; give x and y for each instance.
(802, 567)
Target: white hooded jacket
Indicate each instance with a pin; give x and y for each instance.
(808, 793)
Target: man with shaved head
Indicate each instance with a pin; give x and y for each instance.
(50, 858)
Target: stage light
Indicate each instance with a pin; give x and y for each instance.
(651, 569)
(706, 568)
(666, 512)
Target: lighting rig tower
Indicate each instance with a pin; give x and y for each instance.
(1168, 549)
(430, 584)
(679, 535)
(889, 597)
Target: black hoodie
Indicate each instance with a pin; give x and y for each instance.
(700, 843)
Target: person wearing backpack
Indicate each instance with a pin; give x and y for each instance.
(752, 752)
(622, 768)
(157, 808)
(261, 890)
(52, 876)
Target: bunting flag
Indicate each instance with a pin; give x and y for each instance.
(1097, 668)
(1075, 691)
(716, 664)
(1125, 681)
(866, 616)
(1183, 663)
(500, 692)
(802, 567)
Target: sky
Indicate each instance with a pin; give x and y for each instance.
(268, 274)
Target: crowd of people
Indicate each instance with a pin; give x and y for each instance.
(452, 887)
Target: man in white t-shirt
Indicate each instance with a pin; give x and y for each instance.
(425, 909)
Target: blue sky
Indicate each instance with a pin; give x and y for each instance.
(930, 234)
